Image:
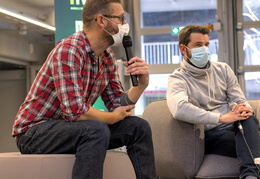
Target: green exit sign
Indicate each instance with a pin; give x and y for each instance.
(176, 30)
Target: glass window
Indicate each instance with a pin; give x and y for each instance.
(163, 48)
(252, 81)
(155, 91)
(252, 46)
(251, 10)
(162, 13)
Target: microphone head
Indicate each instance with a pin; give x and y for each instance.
(127, 41)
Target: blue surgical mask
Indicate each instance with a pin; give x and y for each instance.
(199, 56)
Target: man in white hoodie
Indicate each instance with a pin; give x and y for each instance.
(220, 103)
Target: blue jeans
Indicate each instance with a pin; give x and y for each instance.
(230, 142)
(89, 140)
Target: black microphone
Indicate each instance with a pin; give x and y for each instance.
(127, 43)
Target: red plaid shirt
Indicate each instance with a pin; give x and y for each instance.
(69, 82)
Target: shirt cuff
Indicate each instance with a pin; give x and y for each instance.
(125, 101)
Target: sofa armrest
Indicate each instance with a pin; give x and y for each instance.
(178, 146)
(255, 103)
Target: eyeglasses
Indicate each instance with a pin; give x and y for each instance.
(119, 17)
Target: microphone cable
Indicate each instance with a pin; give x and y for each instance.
(240, 127)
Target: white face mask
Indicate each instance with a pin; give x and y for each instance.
(118, 37)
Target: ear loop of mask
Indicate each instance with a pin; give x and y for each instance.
(113, 23)
(187, 48)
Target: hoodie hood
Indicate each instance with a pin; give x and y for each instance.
(199, 73)
(194, 71)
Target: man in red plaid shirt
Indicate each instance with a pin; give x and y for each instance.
(57, 116)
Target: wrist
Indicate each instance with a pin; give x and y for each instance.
(221, 118)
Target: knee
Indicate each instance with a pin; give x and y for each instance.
(141, 125)
(96, 129)
(251, 121)
(102, 131)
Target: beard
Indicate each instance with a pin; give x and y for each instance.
(107, 37)
(187, 57)
(188, 53)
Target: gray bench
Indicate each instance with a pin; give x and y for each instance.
(15, 165)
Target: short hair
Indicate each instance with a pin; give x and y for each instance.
(184, 35)
(93, 7)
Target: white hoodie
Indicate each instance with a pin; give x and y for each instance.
(215, 88)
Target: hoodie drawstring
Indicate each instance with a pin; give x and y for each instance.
(209, 87)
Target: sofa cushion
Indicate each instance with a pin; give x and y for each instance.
(59, 166)
(217, 166)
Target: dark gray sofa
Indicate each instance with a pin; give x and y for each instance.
(179, 147)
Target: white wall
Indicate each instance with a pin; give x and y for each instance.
(12, 94)
(24, 48)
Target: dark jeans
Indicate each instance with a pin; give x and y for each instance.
(230, 142)
(89, 140)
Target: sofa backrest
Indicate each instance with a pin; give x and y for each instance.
(172, 140)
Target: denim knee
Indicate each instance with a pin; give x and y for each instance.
(251, 123)
(142, 125)
(96, 129)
